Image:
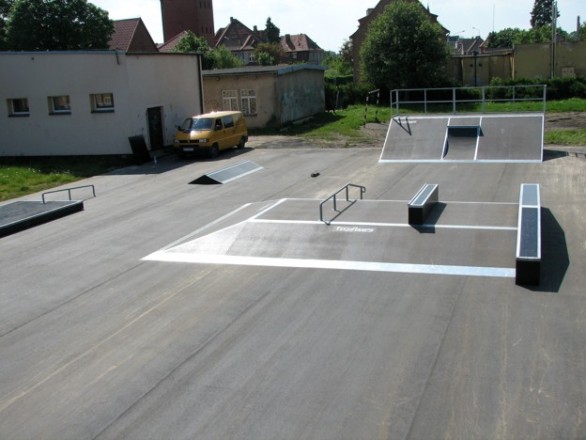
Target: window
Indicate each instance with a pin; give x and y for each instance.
(102, 102)
(230, 99)
(248, 99)
(59, 105)
(228, 121)
(18, 107)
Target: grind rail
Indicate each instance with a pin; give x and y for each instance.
(334, 198)
(69, 190)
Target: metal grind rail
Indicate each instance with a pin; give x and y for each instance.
(334, 198)
(69, 190)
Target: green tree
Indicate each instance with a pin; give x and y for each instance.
(5, 6)
(404, 48)
(191, 43)
(57, 25)
(219, 58)
(272, 32)
(505, 38)
(509, 37)
(339, 64)
(542, 13)
(222, 58)
(269, 54)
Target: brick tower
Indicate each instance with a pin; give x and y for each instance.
(188, 15)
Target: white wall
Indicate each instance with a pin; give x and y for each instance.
(137, 82)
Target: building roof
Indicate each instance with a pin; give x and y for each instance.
(131, 35)
(269, 70)
(237, 36)
(465, 46)
(169, 45)
(372, 13)
(298, 43)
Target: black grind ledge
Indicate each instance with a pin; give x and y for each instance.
(18, 216)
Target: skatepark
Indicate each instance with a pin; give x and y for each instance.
(287, 293)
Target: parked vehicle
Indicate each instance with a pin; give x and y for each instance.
(211, 133)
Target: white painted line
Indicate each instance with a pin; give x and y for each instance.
(203, 228)
(431, 269)
(384, 225)
(274, 205)
(478, 139)
(451, 161)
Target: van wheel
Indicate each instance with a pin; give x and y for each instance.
(242, 142)
(214, 151)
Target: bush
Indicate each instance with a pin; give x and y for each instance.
(557, 88)
(341, 93)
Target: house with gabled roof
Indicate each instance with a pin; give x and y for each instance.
(301, 48)
(242, 41)
(131, 35)
(239, 39)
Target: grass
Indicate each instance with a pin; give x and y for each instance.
(21, 176)
(566, 137)
(333, 125)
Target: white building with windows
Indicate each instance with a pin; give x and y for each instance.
(267, 95)
(91, 103)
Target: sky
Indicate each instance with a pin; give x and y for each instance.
(330, 22)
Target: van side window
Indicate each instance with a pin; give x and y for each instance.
(228, 121)
(218, 124)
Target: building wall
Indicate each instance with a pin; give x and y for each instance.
(263, 84)
(488, 66)
(534, 60)
(136, 83)
(301, 95)
(283, 94)
(188, 15)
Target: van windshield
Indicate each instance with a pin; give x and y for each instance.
(194, 124)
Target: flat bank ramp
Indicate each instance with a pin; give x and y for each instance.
(515, 137)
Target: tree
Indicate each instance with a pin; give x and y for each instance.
(5, 6)
(580, 34)
(509, 37)
(340, 64)
(272, 32)
(268, 54)
(222, 58)
(191, 43)
(541, 15)
(404, 48)
(57, 25)
(219, 58)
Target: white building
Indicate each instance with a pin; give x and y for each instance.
(90, 103)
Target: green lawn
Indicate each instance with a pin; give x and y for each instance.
(21, 176)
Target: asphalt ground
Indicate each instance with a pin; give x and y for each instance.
(100, 340)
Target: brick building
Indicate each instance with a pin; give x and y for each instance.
(188, 15)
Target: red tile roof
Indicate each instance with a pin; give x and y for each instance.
(131, 35)
(169, 45)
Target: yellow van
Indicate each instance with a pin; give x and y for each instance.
(211, 133)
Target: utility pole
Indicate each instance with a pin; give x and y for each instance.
(554, 17)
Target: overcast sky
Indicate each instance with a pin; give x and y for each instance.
(330, 22)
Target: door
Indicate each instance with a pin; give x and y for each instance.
(155, 120)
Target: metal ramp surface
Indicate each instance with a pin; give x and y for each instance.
(228, 174)
(515, 137)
